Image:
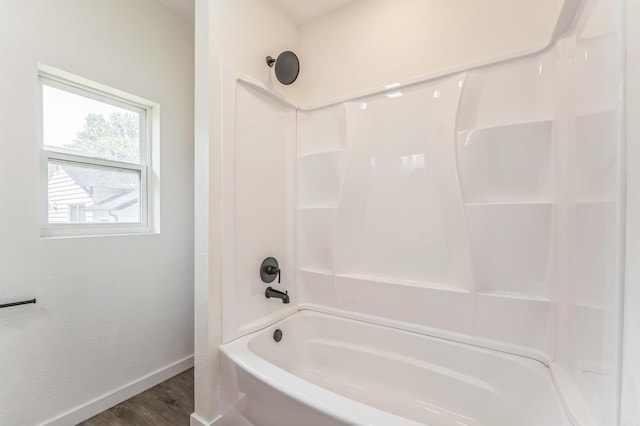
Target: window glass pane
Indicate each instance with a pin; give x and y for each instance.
(80, 125)
(91, 194)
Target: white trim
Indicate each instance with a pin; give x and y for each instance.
(92, 228)
(89, 92)
(199, 421)
(86, 161)
(67, 78)
(111, 399)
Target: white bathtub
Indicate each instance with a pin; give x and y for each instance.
(328, 370)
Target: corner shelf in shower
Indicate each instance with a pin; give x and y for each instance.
(513, 295)
(315, 233)
(404, 282)
(318, 207)
(331, 151)
(317, 271)
(321, 129)
(510, 246)
(595, 201)
(320, 178)
(508, 203)
(506, 181)
(509, 161)
(596, 307)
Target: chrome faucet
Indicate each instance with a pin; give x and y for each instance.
(272, 292)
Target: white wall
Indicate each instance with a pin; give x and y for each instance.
(373, 43)
(246, 32)
(239, 34)
(111, 310)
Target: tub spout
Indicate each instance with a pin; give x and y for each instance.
(272, 292)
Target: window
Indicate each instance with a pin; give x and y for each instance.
(76, 213)
(96, 159)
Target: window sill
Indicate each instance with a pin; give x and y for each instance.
(82, 231)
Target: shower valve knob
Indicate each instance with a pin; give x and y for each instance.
(269, 270)
(273, 270)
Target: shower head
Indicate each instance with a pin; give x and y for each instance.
(287, 67)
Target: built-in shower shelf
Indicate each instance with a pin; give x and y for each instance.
(405, 282)
(513, 295)
(320, 177)
(593, 306)
(510, 203)
(506, 126)
(512, 161)
(319, 271)
(595, 201)
(319, 207)
(321, 152)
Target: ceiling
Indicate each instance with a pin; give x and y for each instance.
(303, 11)
(183, 8)
(300, 11)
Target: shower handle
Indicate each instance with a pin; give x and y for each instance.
(273, 270)
(269, 269)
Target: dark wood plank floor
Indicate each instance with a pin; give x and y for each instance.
(169, 403)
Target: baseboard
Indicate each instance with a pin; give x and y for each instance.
(107, 401)
(198, 421)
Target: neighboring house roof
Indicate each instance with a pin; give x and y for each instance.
(94, 177)
(115, 203)
(75, 185)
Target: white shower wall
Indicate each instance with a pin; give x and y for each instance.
(481, 207)
(258, 204)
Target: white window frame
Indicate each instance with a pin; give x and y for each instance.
(146, 167)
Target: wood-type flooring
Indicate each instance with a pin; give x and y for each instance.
(168, 404)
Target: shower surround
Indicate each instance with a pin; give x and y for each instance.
(480, 208)
(478, 205)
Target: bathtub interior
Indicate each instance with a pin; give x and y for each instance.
(454, 384)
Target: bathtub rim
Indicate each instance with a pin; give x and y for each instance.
(436, 333)
(306, 393)
(354, 412)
